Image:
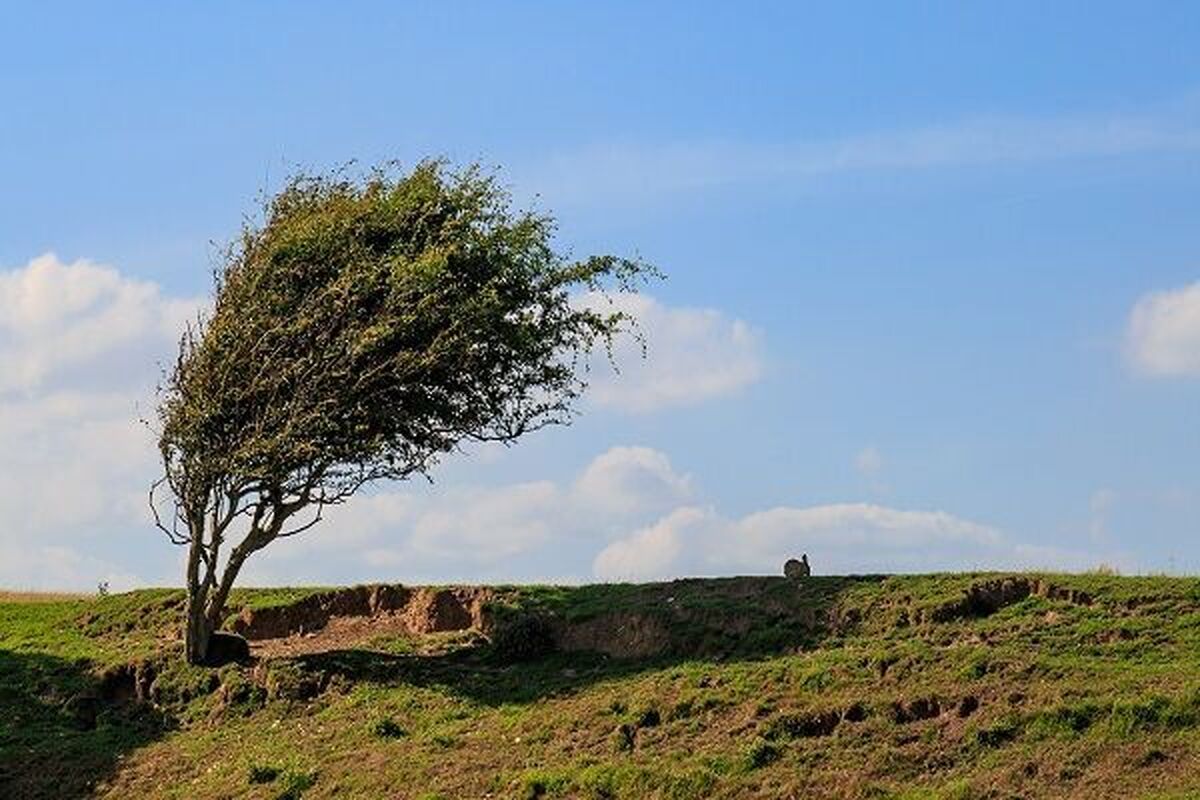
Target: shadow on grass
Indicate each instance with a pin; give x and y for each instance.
(59, 737)
(665, 624)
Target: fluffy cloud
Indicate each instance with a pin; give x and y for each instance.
(691, 355)
(630, 515)
(499, 533)
(840, 538)
(79, 345)
(1163, 337)
(83, 318)
(651, 552)
(628, 480)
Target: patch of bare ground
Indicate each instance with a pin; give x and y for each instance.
(339, 633)
(348, 617)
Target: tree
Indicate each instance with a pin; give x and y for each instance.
(363, 329)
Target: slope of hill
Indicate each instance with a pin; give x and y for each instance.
(939, 686)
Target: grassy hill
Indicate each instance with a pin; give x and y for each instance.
(941, 686)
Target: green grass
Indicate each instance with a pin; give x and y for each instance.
(755, 688)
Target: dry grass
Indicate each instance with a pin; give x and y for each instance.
(15, 596)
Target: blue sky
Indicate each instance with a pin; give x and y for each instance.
(930, 300)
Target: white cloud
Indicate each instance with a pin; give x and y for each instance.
(628, 480)
(630, 515)
(1163, 336)
(839, 538)
(82, 317)
(51, 567)
(498, 532)
(632, 172)
(79, 345)
(650, 552)
(691, 355)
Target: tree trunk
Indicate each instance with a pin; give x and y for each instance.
(198, 629)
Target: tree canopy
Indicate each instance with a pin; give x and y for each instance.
(363, 329)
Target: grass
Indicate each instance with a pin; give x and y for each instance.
(874, 687)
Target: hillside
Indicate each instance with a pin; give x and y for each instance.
(940, 686)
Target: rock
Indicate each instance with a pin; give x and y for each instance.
(224, 648)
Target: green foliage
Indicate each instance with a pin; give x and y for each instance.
(369, 325)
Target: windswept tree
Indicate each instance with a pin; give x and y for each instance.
(363, 329)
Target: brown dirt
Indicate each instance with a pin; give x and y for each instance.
(340, 633)
(626, 635)
(348, 617)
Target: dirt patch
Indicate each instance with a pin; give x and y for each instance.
(986, 598)
(915, 710)
(127, 683)
(438, 610)
(340, 633)
(385, 607)
(624, 635)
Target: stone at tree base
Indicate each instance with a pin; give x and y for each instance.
(225, 648)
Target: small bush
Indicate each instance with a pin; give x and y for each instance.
(801, 726)
(541, 783)
(1184, 712)
(524, 638)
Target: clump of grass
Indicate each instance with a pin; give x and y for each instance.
(539, 784)
(1064, 721)
(682, 709)
(388, 728)
(295, 784)
(762, 753)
